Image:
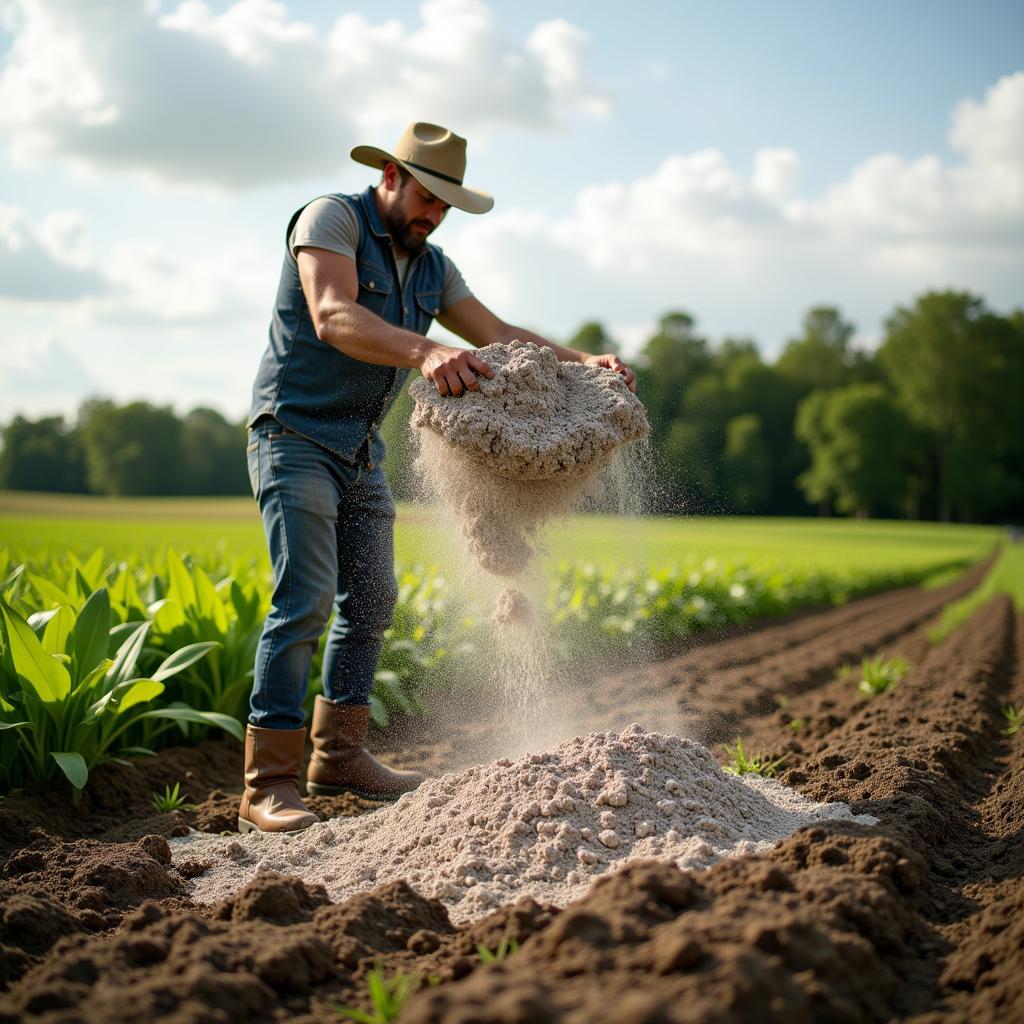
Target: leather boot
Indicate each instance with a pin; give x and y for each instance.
(341, 764)
(271, 801)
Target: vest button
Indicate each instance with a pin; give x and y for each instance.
(373, 284)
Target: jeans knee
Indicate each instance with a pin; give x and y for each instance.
(371, 611)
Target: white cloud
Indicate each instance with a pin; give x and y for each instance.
(46, 262)
(139, 282)
(39, 375)
(748, 257)
(776, 173)
(978, 201)
(251, 95)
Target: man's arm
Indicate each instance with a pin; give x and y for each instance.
(331, 286)
(471, 320)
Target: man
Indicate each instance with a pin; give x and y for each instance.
(360, 287)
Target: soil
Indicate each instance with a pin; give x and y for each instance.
(918, 918)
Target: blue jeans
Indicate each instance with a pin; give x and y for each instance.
(330, 531)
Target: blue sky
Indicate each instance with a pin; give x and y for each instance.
(739, 160)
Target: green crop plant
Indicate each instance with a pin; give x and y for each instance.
(227, 616)
(1005, 577)
(387, 995)
(506, 948)
(65, 705)
(170, 800)
(879, 674)
(1014, 717)
(742, 763)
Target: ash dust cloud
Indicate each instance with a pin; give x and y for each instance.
(539, 441)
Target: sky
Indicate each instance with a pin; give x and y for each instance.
(740, 161)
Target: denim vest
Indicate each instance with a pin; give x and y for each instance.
(315, 389)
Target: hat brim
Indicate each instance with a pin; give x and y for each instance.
(470, 200)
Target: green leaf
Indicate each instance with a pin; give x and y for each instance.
(93, 568)
(211, 605)
(139, 691)
(73, 766)
(167, 614)
(44, 673)
(187, 714)
(89, 641)
(128, 653)
(12, 725)
(378, 712)
(48, 592)
(181, 582)
(183, 658)
(12, 578)
(58, 630)
(124, 696)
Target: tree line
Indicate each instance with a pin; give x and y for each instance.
(929, 425)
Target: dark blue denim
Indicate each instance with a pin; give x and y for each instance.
(330, 529)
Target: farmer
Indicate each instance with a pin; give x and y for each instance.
(360, 286)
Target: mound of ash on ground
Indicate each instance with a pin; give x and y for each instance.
(543, 826)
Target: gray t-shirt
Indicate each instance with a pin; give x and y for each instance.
(331, 224)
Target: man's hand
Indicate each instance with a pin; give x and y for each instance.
(454, 370)
(612, 362)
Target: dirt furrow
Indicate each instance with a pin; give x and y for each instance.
(715, 692)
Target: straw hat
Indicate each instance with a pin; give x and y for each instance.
(436, 158)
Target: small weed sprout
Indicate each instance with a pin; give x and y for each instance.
(1015, 718)
(388, 996)
(742, 763)
(844, 672)
(170, 800)
(879, 674)
(797, 725)
(505, 949)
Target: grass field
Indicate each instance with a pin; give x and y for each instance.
(34, 525)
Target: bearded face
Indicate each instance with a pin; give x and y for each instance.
(412, 215)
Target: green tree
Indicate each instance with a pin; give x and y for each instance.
(673, 358)
(822, 356)
(748, 463)
(131, 450)
(593, 338)
(212, 454)
(958, 369)
(864, 449)
(41, 455)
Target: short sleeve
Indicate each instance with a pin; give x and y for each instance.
(455, 288)
(329, 224)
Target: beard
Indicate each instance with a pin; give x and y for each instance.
(401, 228)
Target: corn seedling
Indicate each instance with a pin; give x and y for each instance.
(879, 674)
(742, 763)
(170, 800)
(65, 705)
(505, 949)
(387, 995)
(1015, 717)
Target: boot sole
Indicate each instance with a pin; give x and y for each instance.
(315, 789)
(245, 827)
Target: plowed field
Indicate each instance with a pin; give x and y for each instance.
(919, 918)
